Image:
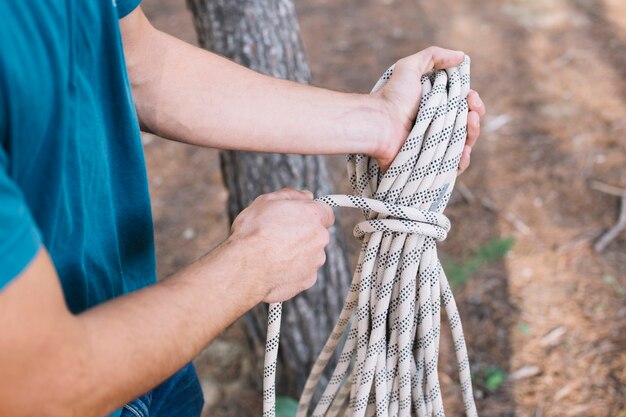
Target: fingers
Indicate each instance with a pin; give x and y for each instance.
(473, 128)
(477, 110)
(322, 211)
(325, 213)
(433, 57)
(322, 255)
(308, 194)
(465, 159)
(475, 103)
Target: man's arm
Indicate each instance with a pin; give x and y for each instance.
(191, 95)
(55, 364)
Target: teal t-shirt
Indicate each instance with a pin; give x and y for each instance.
(72, 171)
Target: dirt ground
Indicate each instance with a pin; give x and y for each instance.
(551, 316)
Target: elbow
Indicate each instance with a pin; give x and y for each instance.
(50, 396)
(53, 380)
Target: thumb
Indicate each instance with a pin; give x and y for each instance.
(429, 58)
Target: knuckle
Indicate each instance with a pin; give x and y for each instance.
(325, 237)
(290, 191)
(310, 282)
(432, 50)
(322, 259)
(235, 225)
(324, 212)
(464, 163)
(242, 218)
(401, 63)
(308, 194)
(262, 197)
(331, 214)
(476, 104)
(286, 193)
(473, 125)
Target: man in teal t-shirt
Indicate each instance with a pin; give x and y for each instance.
(85, 330)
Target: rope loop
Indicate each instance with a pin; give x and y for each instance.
(398, 226)
(386, 217)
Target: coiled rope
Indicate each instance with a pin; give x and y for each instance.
(392, 313)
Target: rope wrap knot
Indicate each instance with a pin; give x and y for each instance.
(386, 217)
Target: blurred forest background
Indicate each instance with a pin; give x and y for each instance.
(544, 313)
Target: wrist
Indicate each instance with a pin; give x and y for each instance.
(385, 135)
(389, 132)
(237, 254)
(370, 130)
(225, 275)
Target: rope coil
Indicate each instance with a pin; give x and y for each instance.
(392, 314)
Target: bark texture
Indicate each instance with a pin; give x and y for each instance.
(264, 36)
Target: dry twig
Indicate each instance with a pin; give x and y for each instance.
(608, 189)
(465, 192)
(614, 231)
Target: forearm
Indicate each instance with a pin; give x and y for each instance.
(92, 363)
(190, 95)
(153, 332)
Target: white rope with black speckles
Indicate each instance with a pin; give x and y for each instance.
(392, 313)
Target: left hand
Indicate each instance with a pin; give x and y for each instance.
(398, 99)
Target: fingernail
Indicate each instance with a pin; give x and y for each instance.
(308, 193)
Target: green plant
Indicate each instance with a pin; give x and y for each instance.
(494, 378)
(458, 273)
(286, 407)
(523, 328)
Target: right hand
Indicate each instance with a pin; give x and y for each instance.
(282, 237)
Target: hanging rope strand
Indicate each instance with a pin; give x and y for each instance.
(391, 319)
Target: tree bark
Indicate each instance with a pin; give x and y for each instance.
(264, 36)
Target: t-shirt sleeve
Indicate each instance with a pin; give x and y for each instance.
(19, 236)
(124, 7)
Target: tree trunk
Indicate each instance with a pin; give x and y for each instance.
(264, 35)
